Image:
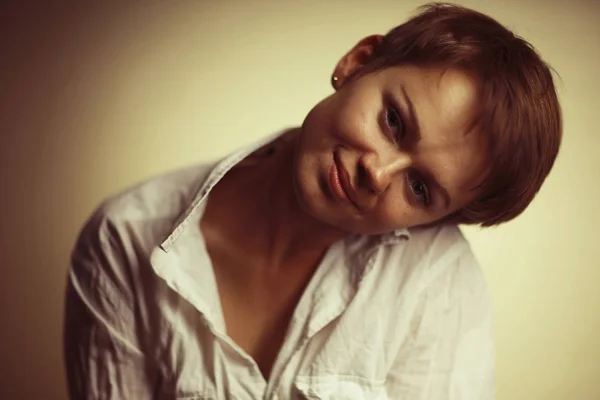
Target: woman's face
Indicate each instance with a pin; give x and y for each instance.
(391, 149)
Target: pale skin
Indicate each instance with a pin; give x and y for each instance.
(360, 163)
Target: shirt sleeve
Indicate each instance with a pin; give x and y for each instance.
(103, 356)
(450, 352)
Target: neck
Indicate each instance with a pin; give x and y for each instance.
(279, 227)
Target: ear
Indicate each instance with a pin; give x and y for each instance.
(355, 59)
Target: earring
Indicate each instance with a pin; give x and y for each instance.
(334, 80)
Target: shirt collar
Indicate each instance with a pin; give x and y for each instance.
(396, 236)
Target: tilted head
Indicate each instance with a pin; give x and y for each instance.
(448, 117)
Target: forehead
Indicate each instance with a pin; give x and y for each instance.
(445, 103)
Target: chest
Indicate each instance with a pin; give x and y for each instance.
(341, 345)
(257, 306)
(336, 333)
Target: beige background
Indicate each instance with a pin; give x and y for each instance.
(94, 98)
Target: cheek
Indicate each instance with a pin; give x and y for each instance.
(354, 111)
(360, 113)
(392, 213)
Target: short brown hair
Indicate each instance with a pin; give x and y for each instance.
(520, 110)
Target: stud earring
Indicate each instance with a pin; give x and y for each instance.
(334, 81)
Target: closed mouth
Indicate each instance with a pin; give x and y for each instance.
(345, 181)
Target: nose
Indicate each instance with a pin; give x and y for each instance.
(376, 173)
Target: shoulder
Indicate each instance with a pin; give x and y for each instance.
(429, 247)
(159, 197)
(436, 242)
(139, 217)
(449, 321)
(439, 257)
(112, 250)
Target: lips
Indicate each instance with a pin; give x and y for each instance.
(340, 182)
(335, 183)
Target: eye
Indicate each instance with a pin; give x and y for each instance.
(394, 124)
(419, 190)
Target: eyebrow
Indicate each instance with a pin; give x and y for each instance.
(416, 128)
(412, 115)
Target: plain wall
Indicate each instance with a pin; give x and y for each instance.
(96, 96)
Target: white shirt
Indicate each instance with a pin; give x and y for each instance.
(398, 316)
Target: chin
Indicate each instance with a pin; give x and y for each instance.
(307, 194)
(312, 200)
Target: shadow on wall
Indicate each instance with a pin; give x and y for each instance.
(46, 48)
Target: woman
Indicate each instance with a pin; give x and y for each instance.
(325, 261)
